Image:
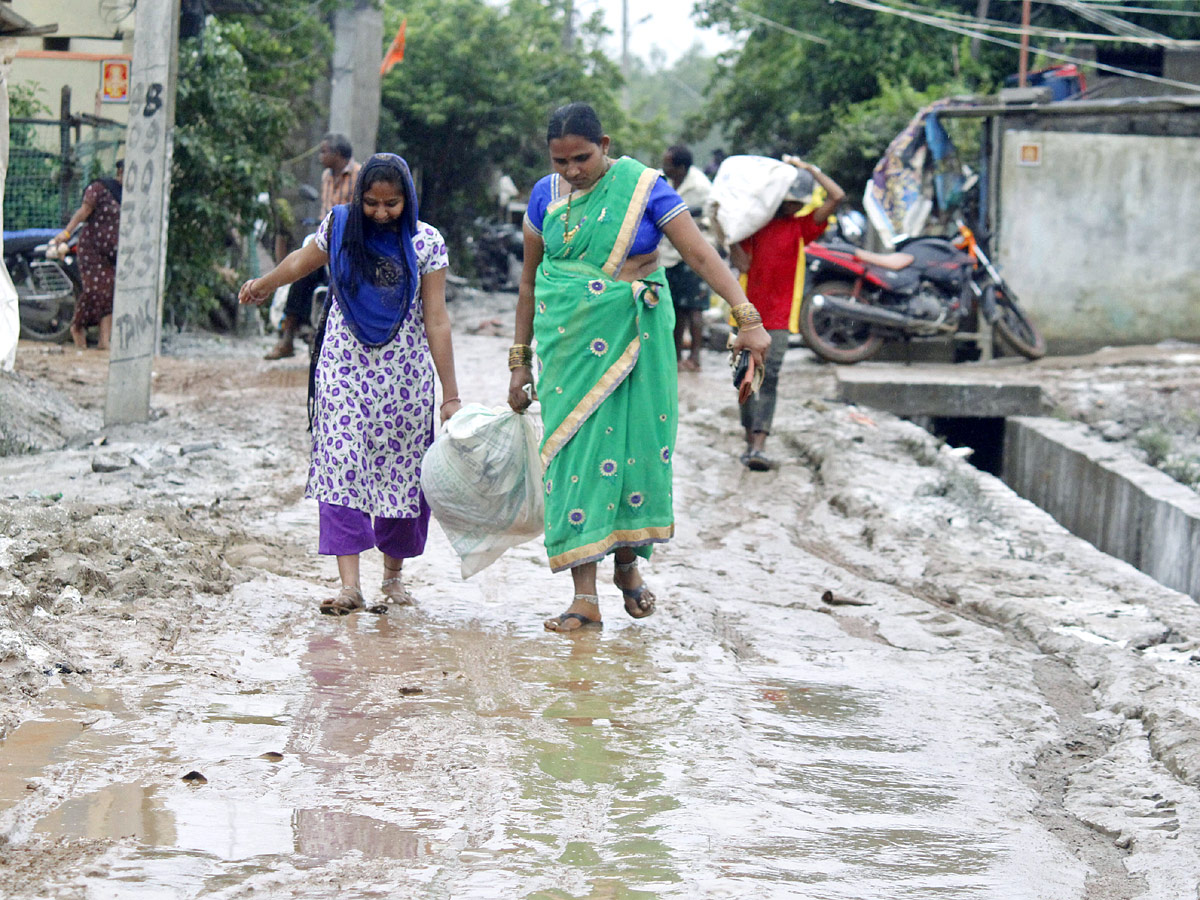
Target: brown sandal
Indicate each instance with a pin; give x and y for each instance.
(349, 599)
(395, 593)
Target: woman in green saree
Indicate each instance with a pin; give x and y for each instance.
(594, 300)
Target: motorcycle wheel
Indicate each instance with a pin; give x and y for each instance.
(1015, 328)
(52, 329)
(833, 337)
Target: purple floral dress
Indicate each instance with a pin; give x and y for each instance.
(374, 405)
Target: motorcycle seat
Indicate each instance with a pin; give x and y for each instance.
(893, 261)
(26, 241)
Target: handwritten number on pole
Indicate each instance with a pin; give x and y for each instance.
(153, 100)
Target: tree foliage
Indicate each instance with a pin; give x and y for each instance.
(242, 85)
(837, 82)
(474, 90)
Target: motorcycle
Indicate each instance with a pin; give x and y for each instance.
(497, 249)
(930, 287)
(46, 284)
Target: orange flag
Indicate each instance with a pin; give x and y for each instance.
(395, 52)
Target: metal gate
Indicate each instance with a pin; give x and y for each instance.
(51, 161)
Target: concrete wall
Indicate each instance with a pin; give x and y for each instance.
(1098, 491)
(1098, 238)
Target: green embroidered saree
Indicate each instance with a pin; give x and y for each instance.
(607, 383)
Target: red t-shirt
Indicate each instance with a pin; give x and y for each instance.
(776, 250)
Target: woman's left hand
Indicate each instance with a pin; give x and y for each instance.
(756, 340)
(450, 408)
(251, 294)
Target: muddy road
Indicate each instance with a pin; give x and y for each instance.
(990, 708)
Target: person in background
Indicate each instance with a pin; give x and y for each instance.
(372, 383)
(97, 255)
(591, 296)
(714, 163)
(773, 261)
(337, 186)
(688, 291)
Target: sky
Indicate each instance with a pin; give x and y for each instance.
(669, 27)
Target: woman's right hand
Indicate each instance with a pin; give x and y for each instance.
(518, 397)
(756, 340)
(252, 294)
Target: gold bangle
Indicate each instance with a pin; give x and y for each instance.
(520, 356)
(746, 315)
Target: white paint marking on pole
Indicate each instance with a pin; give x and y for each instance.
(142, 248)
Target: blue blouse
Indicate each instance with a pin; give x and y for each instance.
(663, 206)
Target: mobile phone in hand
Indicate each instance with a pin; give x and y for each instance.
(741, 368)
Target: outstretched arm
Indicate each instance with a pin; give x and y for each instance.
(704, 261)
(295, 265)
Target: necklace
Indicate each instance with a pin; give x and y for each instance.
(569, 235)
(568, 232)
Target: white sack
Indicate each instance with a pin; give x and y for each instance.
(746, 194)
(483, 480)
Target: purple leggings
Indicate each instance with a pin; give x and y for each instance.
(346, 531)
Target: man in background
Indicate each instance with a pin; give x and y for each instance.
(773, 261)
(688, 290)
(337, 187)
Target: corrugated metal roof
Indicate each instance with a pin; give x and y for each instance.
(1179, 103)
(13, 25)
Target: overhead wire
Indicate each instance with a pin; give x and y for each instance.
(763, 20)
(1140, 10)
(934, 22)
(1038, 31)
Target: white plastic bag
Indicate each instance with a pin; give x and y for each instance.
(483, 480)
(746, 193)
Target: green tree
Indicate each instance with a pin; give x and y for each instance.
(473, 92)
(242, 85)
(782, 91)
(838, 82)
(673, 95)
(31, 186)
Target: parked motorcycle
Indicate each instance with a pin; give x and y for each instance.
(46, 285)
(930, 287)
(497, 249)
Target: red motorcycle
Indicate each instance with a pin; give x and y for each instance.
(930, 287)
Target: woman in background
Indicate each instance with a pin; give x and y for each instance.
(97, 255)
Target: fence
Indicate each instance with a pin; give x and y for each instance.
(51, 161)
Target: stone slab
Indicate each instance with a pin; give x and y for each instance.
(935, 392)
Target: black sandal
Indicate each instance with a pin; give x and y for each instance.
(639, 601)
(584, 621)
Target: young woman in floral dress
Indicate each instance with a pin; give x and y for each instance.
(372, 398)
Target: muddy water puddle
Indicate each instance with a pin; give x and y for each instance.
(487, 759)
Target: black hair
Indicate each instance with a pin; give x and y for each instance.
(120, 164)
(339, 144)
(578, 119)
(680, 156)
(379, 168)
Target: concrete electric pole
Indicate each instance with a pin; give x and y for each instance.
(142, 242)
(354, 89)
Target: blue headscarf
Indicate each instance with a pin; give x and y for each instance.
(373, 269)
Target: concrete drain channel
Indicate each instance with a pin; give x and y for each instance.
(1095, 489)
